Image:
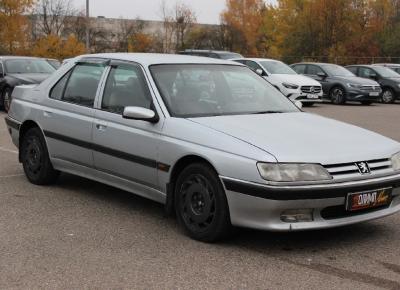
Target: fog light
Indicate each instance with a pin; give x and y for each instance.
(297, 215)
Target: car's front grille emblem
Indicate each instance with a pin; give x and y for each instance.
(363, 167)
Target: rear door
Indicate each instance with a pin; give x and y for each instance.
(68, 117)
(122, 147)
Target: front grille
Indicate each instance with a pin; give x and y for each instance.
(311, 89)
(368, 88)
(350, 170)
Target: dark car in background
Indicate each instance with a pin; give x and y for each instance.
(339, 84)
(387, 78)
(211, 53)
(15, 71)
(392, 66)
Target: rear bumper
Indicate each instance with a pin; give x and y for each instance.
(261, 206)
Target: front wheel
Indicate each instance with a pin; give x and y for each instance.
(388, 96)
(35, 158)
(200, 203)
(338, 96)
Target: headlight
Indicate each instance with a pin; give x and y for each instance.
(396, 161)
(290, 86)
(288, 172)
(354, 86)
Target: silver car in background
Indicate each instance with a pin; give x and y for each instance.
(210, 139)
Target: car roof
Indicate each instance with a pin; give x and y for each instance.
(148, 59)
(316, 63)
(386, 64)
(205, 51)
(256, 59)
(358, 65)
(5, 57)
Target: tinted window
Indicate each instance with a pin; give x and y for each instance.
(82, 85)
(213, 90)
(300, 68)
(353, 69)
(253, 65)
(385, 72)
(337, 70)
(365, 72)
(28, 66)
(125, 87)
(58, 90)
(314, 70)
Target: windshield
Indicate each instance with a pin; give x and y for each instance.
(277, 67)
(229, 55)
(198, 90)
(337, 70)
(23, 66)
(386, 73)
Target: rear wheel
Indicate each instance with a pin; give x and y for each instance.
(35, 158)
(338, 96)
(7, 99)
(200, 203)
(388, 96)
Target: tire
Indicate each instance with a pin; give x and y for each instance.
(6, 96)
(35, 159)
(200, 204)
(388, 96)
(366, 103)
(337, 95)
(308, 104)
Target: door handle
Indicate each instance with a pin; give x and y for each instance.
(101, 127)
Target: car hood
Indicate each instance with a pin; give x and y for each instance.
(31, 78)
(357, 80)
(397, 80)
(304, 137)
(293, 79)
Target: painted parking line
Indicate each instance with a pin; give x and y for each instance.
(8, 150)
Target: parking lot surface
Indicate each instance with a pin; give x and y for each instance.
(80, 234)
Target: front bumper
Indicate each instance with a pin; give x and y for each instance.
(305, 98)
(260, 206)
(358, 95)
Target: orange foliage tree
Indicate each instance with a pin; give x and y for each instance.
(14, 30)
(53, 46)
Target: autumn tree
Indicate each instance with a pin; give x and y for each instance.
(14, 32)
(244, 19)
(53, 46)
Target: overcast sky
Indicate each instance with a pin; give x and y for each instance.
(207, 11)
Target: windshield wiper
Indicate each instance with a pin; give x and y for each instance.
(268, 112)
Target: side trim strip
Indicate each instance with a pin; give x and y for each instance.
(12, 123)
(108, 151)
(303, 193)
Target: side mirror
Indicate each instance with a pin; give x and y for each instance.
(260, 72)
(298, 104)
(321, 74)
(142, 114)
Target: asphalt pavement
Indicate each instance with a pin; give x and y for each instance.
(80, 234)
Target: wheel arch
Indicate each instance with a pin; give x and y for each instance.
(177, 168)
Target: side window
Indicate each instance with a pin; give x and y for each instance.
(300, 68)
(254, 66)
(1, 69)
(353, 69)
(58, 90)
(125, 87)
(365, 72)
(82, 84)
(314, 70)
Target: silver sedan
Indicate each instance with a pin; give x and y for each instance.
(210, 139)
